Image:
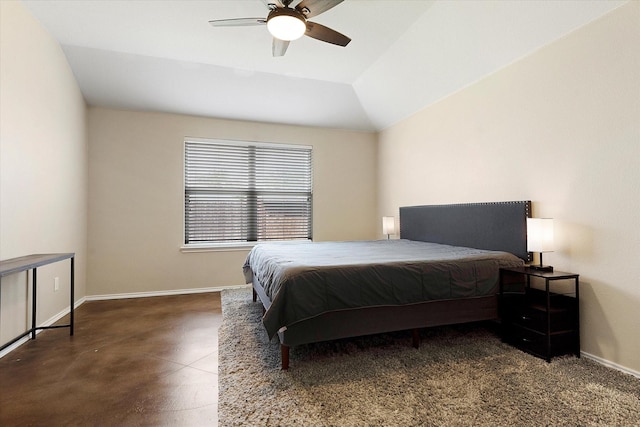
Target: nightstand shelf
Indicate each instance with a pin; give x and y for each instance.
(543, 320)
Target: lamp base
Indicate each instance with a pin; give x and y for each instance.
(547, 268)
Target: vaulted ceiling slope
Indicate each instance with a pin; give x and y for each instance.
(405, 55)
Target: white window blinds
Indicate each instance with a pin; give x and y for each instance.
(246, 192)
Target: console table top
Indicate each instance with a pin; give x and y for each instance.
(27, 262)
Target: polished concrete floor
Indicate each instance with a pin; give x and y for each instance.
(131, 362)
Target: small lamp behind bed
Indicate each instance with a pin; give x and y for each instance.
(540, 239)
(388, 225)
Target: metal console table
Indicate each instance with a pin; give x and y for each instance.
(32, 262)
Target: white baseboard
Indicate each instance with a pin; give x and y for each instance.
(15, 345)
(610, 364)
(161, 293)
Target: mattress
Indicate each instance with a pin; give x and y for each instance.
(306, 279)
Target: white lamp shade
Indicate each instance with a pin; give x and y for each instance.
(540, 235)
(388, 225)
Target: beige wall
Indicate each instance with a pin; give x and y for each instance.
(136, 197)
(560, 127)
(43, 166)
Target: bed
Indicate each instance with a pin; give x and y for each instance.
(443, 270)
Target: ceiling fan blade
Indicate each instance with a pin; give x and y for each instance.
(316, 7)
(271, 4)
(279, 47)
(326, 34)
(238, 22)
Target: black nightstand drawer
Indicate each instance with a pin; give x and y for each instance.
(536, 319)
(536, 343)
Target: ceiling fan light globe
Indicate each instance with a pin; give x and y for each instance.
(285, 26)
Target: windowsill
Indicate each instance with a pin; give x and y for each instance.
(217, 247)
(228, 247)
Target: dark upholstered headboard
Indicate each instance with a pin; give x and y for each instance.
(498, 226)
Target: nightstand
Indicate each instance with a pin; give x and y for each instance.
(540, 312)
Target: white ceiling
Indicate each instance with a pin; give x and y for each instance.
(162, 55)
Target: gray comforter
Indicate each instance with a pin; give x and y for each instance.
(306, 279)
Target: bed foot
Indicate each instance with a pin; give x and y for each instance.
(415, 338)
(255, 295)
(284, 354)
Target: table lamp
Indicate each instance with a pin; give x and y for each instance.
(540, 239)
(388, 225)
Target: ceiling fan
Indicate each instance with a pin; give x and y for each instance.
(287, 23)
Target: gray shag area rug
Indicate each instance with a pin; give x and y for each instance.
(461, 375)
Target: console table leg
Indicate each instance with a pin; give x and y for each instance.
(33, 303)
(71, 291)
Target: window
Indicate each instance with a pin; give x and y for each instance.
(246, 192)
